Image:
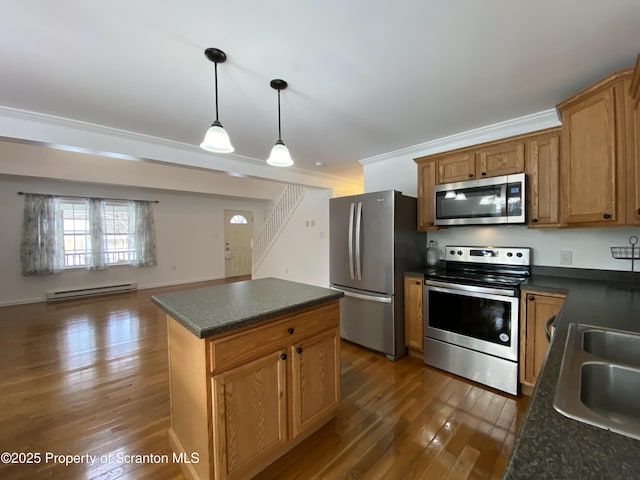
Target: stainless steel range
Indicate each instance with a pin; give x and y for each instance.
(471, 312)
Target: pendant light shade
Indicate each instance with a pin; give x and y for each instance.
(280, 156)
(216, 139)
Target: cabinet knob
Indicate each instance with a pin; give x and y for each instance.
(431, 223)
(471, 175)
(290, 330)
(283, 356)
(532, 298)
(639, 211)
(534, 220)
(606, 215)
(484, 174)
(418, 282)
(298, 350)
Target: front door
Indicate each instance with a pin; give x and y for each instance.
(238, 231)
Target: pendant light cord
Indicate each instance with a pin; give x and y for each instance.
(279, 126)
(215, 70)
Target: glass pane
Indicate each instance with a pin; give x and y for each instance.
(480, 318)
(238, 219)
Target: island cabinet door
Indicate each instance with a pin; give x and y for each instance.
(249, 415)
(315, 380)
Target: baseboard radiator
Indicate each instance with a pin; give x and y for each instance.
(90, 291)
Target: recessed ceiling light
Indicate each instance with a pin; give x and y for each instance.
(320, 164)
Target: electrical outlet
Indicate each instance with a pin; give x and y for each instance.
(566, 257)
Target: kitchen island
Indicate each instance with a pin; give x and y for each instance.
(254, 369)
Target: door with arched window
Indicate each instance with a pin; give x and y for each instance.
(238, 231)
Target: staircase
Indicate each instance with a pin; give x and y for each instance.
(278, 218)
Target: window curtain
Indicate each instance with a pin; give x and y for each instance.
(145, 234)
(98, 253)
(41, 250)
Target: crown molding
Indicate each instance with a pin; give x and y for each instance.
(496, 131)
(74, 135)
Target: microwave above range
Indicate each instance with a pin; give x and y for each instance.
(496, 200)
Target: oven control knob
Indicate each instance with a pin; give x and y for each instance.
(452, 252)
(509, 254)
(459, 252)
(519, 254)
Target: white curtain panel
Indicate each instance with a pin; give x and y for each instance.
(41, 250)
(145, 234)
(97, 259)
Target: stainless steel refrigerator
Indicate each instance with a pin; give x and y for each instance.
(373, 241)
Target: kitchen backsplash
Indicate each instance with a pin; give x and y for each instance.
(589, 247)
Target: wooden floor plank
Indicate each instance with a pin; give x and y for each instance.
(90, 377)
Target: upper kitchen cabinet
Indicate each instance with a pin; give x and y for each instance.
(456, 167)
(595, 153)
(543, 178)
(503, 158)
(426, 196)
(489, 160)
(633, 146)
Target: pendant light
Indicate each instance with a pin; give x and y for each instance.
(280, 156)
(216, 139)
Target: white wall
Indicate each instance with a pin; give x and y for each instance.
(590, 246)
(189, 229)
(301, 252)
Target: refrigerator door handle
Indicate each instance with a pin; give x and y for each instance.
(351, 211)
(371, 298)
(358, 260)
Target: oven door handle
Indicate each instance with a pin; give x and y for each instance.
(456, 287)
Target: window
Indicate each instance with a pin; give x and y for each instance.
(119, 233)
(116, 233)
(75, 224)
(60, 233)
(238, 219)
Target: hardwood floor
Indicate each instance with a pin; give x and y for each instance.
(89, 377)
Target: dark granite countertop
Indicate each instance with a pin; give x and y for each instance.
(550, 445)
(212, 310)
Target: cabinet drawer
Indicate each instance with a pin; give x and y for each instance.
(239, 348)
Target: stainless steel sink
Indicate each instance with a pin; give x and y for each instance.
(614, 346)
(599, 380)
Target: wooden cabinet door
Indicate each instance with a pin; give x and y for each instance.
(632, 114)
(456, 168)
(536, 310)
(249, 406)
(426, 195)
(589, 161)
(502, 159)
(413, 327)
(315, 380)
(543, 180)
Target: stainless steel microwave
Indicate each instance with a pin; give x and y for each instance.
(493, 200)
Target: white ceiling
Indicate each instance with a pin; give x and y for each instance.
(365, 77)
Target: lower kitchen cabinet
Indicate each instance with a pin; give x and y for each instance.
(315, 380)
(241, 400)
(250, 415)
(413, 316)
(535, 309)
